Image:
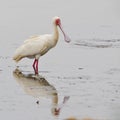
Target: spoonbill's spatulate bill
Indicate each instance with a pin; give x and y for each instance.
(36, 46)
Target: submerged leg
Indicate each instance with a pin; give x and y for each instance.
(34, 65)
(36, 71)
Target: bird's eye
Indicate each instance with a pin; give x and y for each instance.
(57, 21)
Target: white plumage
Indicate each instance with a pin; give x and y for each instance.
(38, 45)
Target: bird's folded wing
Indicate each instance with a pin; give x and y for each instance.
(32, 38)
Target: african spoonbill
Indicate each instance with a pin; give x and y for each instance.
(37, 46)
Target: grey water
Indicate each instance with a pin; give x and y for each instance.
(80, 79)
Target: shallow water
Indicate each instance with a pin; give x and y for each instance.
(88, 76)
(80, 79)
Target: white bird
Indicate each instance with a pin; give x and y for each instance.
(36, 46)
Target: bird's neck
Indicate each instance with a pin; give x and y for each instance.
(55, 33)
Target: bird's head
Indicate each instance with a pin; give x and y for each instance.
(57, 22)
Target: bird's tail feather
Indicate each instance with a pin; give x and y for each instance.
(17, 58)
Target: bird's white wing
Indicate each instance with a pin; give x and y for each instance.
(30, 48)
(32, 38)
(34, 46)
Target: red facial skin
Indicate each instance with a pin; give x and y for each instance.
(58, 22)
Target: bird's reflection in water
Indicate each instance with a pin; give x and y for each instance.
(37, 86)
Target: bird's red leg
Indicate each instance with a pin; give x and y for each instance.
(34, 65)
(36, 71)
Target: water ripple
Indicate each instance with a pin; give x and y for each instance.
(98, 43)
